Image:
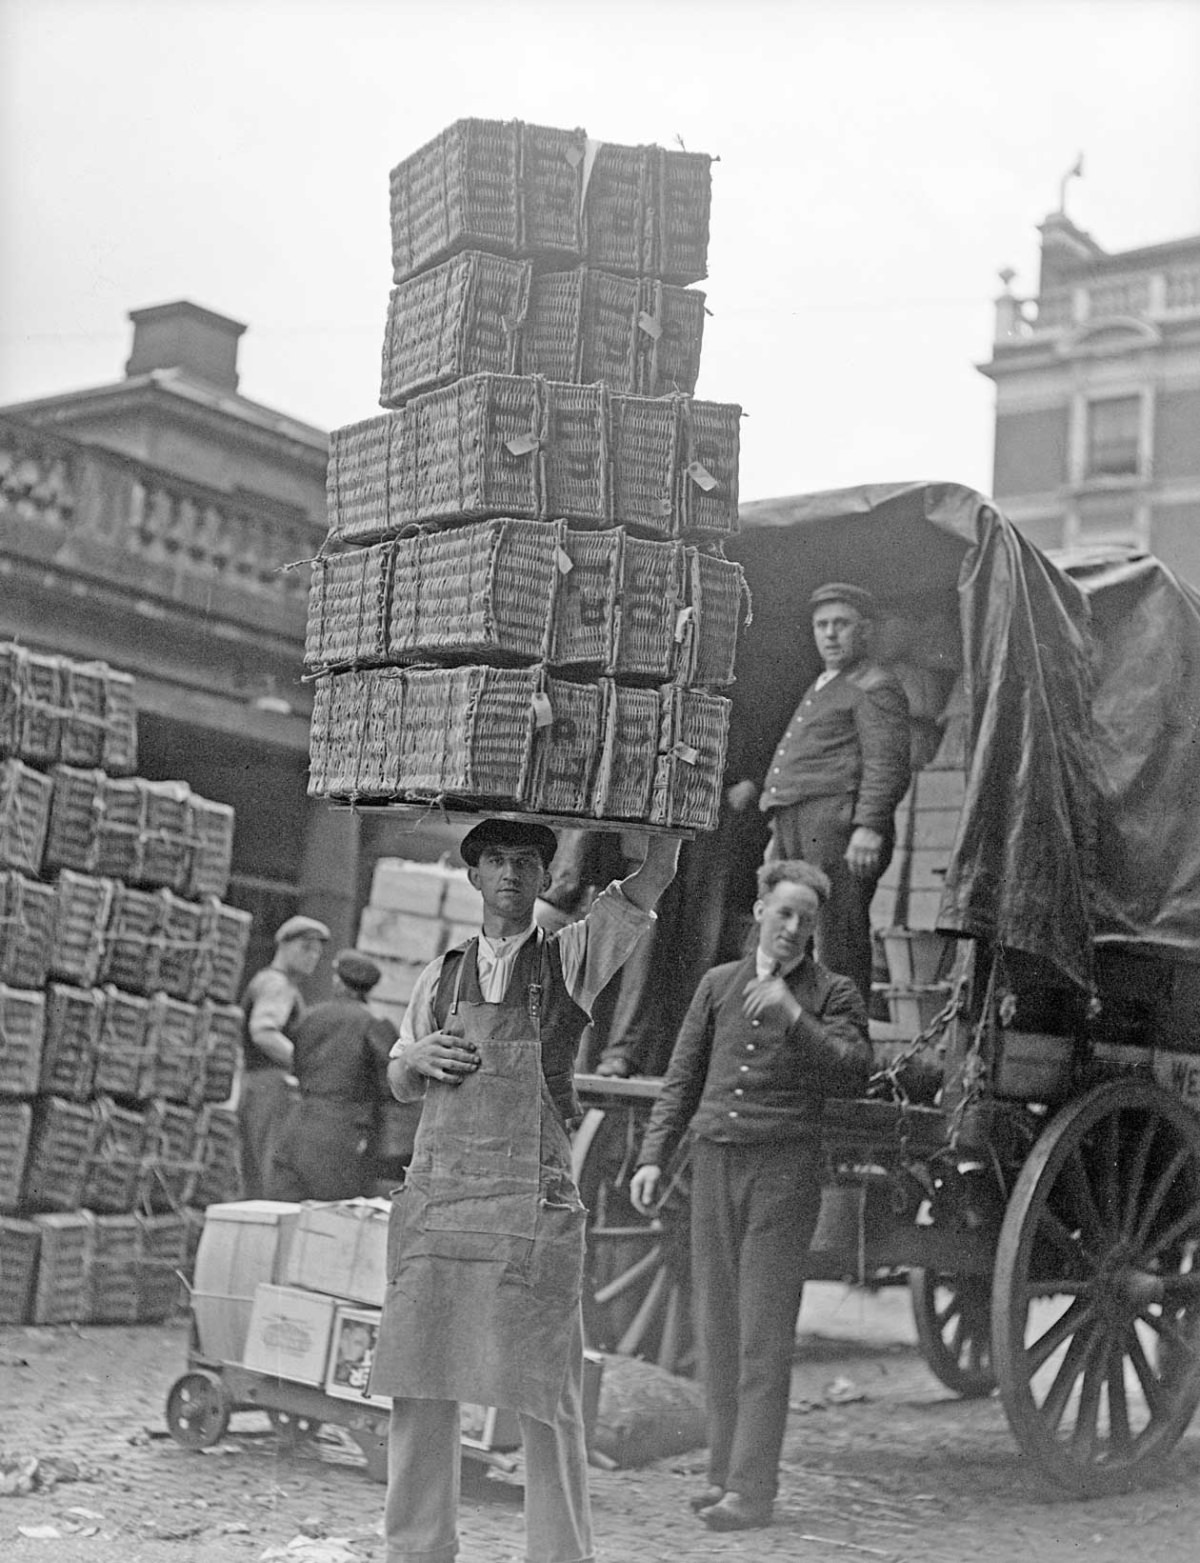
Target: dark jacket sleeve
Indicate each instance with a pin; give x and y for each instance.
(881, 719)
(683, 1084)
(838, 1038)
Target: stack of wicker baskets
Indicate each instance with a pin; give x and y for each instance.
(120, 968)
(523, 603)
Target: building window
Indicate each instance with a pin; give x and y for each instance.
(1113, 437)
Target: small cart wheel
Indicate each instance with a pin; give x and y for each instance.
(292, 1430)
(198, 1409)
(953, 1315)
(1096, 1296)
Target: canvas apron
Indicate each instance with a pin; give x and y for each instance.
(486, 1242)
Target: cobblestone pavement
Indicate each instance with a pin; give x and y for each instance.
(904, 1473)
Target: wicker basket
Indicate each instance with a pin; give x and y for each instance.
(124, 1064)
(19, 1242)
(132, 925)
(461, 318)
(112, 1276)
(22, 1036)
(353, 735)
(60, 1293)
(26, 930)
(583, 326)
(120, 726)
(646, 212)
(210, 838)
(675, 465)
(225, 941)
(221, 1026)
(60, 1148)
(75, 811)
(357, 498)
(176, 1042)
(74, 1017)
(475, 450)
(24, 815)
(43, 708)
(720, 602)
(488, 184)
(84, 697)
(164, 1240)
(467, 732)
(16, 1123)
(143, 834)
(176, 966)
(566, 751)
(629, 757)
(83, 905)
(585, 603)
(649, 605)
(693, 735)
(169, 1168)
(348, 606)
(218, 1153)
(671, 333)
(111, 1185)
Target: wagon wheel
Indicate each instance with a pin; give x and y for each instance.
(198, 1410)
(953, 1315)
(637, 1282)
(1096, 1297)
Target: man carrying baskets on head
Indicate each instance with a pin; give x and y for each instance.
(486, 1244)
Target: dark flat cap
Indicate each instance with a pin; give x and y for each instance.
(300, 928)
(508, 833)
(356, 971)
(841, 591)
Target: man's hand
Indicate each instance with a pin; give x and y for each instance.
(442, 1055)
(768, 995)
(742, 795)
(643, 1187)
(864, 852)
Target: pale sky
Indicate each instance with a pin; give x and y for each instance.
(879, 161)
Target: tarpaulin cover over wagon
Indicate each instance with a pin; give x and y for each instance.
(1082, 688)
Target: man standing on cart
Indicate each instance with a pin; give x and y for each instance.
(765, 1040)
(486, 1245)
(837, 775)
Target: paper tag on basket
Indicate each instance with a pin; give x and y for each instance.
(649, 325)
(683, 618)
(563, 560)
(685, 752)
(701, 476)
(543, 711)
(573, 155)
(521, 444)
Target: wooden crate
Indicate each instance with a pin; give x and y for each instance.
(210, 837)
(22, 1037)
(27, 910)
(64, 1259)
(83, 905)
(25, 796)
(111, 1185)
(60, 1147)
(73, 1021)
(222, 1026)
(225, 941)
(175, 1040)
(16, 1125)
(19, 1241)
(124, 1063)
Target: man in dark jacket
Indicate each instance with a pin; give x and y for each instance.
(765, 1040)
(340, 1058)
(838, 773)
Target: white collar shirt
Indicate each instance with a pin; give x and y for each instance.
(495, 960)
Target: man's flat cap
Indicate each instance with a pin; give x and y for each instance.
(300, 928)
(841, 591)
(356, 971)
(508, 833)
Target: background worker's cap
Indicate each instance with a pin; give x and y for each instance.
(356, 971)
(508, 833)
(300, 928)
(841, 591)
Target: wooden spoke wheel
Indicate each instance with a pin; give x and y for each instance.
(198, 1410)
(953, 1316)
(1096, 1295)
(637, 1282)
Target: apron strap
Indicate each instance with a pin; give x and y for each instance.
(458, 975)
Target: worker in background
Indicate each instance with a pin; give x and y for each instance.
(340, 1058)
(838, 774)
(765, 1040)
(272, 1006)
(487, 1241)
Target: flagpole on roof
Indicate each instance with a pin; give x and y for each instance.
(1074, 172)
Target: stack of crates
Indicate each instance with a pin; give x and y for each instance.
(120, 968)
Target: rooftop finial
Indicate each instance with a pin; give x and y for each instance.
(1074, 172)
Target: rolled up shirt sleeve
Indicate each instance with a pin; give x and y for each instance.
(595, 948)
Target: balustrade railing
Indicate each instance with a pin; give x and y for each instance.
(79, 491)
(1158, 295)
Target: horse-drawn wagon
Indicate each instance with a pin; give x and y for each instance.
(1029, 1161)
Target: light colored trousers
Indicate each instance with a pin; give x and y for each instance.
(424, 1454)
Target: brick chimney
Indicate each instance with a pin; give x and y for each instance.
(184, 336)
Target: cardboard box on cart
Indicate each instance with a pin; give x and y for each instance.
(244, 1242)
(341, 1250)
(289, 1334)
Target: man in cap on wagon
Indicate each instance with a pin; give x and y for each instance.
(272, 1006)
(340, 1057)
(486, 1246)
(840, 769)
